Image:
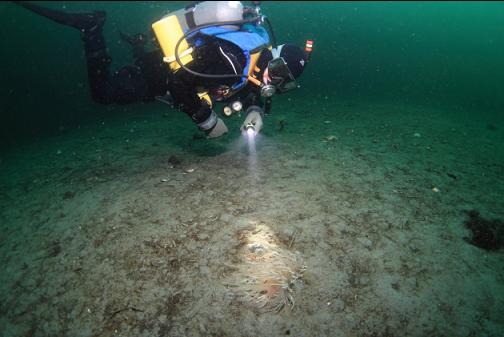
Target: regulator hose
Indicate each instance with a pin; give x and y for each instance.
(195, 29)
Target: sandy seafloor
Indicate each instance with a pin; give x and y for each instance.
(101, 236)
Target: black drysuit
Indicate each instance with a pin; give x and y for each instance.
(150, 77)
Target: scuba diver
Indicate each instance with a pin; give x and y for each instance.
(210, 51)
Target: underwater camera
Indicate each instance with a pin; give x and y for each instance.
(281, 76)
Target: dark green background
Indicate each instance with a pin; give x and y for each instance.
(446, 55)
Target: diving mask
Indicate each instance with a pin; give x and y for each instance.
(280, 75)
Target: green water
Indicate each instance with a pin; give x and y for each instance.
(443, 54)
(124, 221)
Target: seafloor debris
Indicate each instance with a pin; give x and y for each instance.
(68, 195)
(454, 177)
(281, 122)
(173, 161)
(267, 275)
(486, 234)
(54, 249)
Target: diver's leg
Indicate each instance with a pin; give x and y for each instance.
(182, 87)
(98, 67)
(85, 22)
(137, 43)
(97, 57)
(125, 86)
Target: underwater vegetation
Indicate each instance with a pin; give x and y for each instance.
(486, 234)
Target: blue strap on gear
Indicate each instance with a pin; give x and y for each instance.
(249, 40)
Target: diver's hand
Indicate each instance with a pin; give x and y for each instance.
(218, 130)
(254, 117)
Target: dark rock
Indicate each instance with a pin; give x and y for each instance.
(68, 195)
(54, 249)
(174, 161)
(454, 177)
(486, 234)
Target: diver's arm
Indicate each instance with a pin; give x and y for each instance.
(186, 98)
(252, 98)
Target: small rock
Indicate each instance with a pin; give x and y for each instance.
(366, 242)
(349, 323)
(413, 246)
(338, 305)
(363, 281)
(204, 270)
(203, 236)
(411, 283)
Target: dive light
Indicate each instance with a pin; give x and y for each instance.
(250, 129)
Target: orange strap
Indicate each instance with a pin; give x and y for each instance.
(254, 80)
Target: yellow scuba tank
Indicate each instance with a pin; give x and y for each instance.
(168, 31)
(171, 28)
